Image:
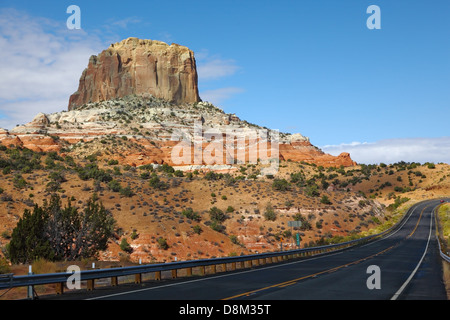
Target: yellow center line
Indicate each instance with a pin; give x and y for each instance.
(417, 224)
(293, 281)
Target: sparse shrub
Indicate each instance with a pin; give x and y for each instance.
(156, 183)
(114, 186)
(210, 175)
(19, 181)
(217, 215)
(197, 229)
(312, 190)
(269, 213)
(280, 185)
(325, 200)
(178, 173)
(4, 266)
(127, 192)
(162, 243)
(125, 246)
(234, 239)
(113, 162)
(190, 214)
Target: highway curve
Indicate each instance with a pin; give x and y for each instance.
(403, 265)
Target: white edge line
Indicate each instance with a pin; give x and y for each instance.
(399, 291)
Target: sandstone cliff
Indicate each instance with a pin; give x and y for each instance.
(135, 66)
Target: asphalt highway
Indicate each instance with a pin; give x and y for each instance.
(405, 265)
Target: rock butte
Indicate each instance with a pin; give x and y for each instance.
(135, 66)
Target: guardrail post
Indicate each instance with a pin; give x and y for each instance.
(157, 275)
(224, 267)
(202, 270)
(59, 288)
(214, 268)
(174, 273)
(233, 266)
(189, 271)
(90, 284)
(138, 278)
(114, 281)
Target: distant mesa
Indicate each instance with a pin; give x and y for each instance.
(136, 66)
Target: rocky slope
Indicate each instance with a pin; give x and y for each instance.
(157, 128)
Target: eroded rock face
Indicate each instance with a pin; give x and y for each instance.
(154, 127)
(135, 66)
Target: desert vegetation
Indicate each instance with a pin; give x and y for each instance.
(160, 213)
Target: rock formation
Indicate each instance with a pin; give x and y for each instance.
(146, 91)
(135, 66)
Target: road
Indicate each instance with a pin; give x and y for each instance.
(404, 265)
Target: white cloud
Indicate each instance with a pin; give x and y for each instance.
(217, 96)
(394, 150)
(216, 68)
(212, 68)
(124, 23)
(42, 62)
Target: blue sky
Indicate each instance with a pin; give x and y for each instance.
(307, 66)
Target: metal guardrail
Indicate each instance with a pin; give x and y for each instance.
(11, 281)
(441, 252)
(443, 255)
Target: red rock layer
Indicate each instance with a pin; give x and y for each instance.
(135, 66)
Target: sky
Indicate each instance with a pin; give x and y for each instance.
(299, 66)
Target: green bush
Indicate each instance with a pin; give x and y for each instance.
(92, 171)
(127, 192)
(312, 190)
(234, 239)
(280, 184)
(197, 229)
(19, 182)
(230, 209)
(162, 243)
(190, 214)
(125, 246)
(53, 232)
(325, 200)
(114, 186)
(4, 266)
(156, 183)
(178, 173)
(269, 213)
(217, 215)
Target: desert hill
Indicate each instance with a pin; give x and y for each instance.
(182, 178)
(332, 203)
